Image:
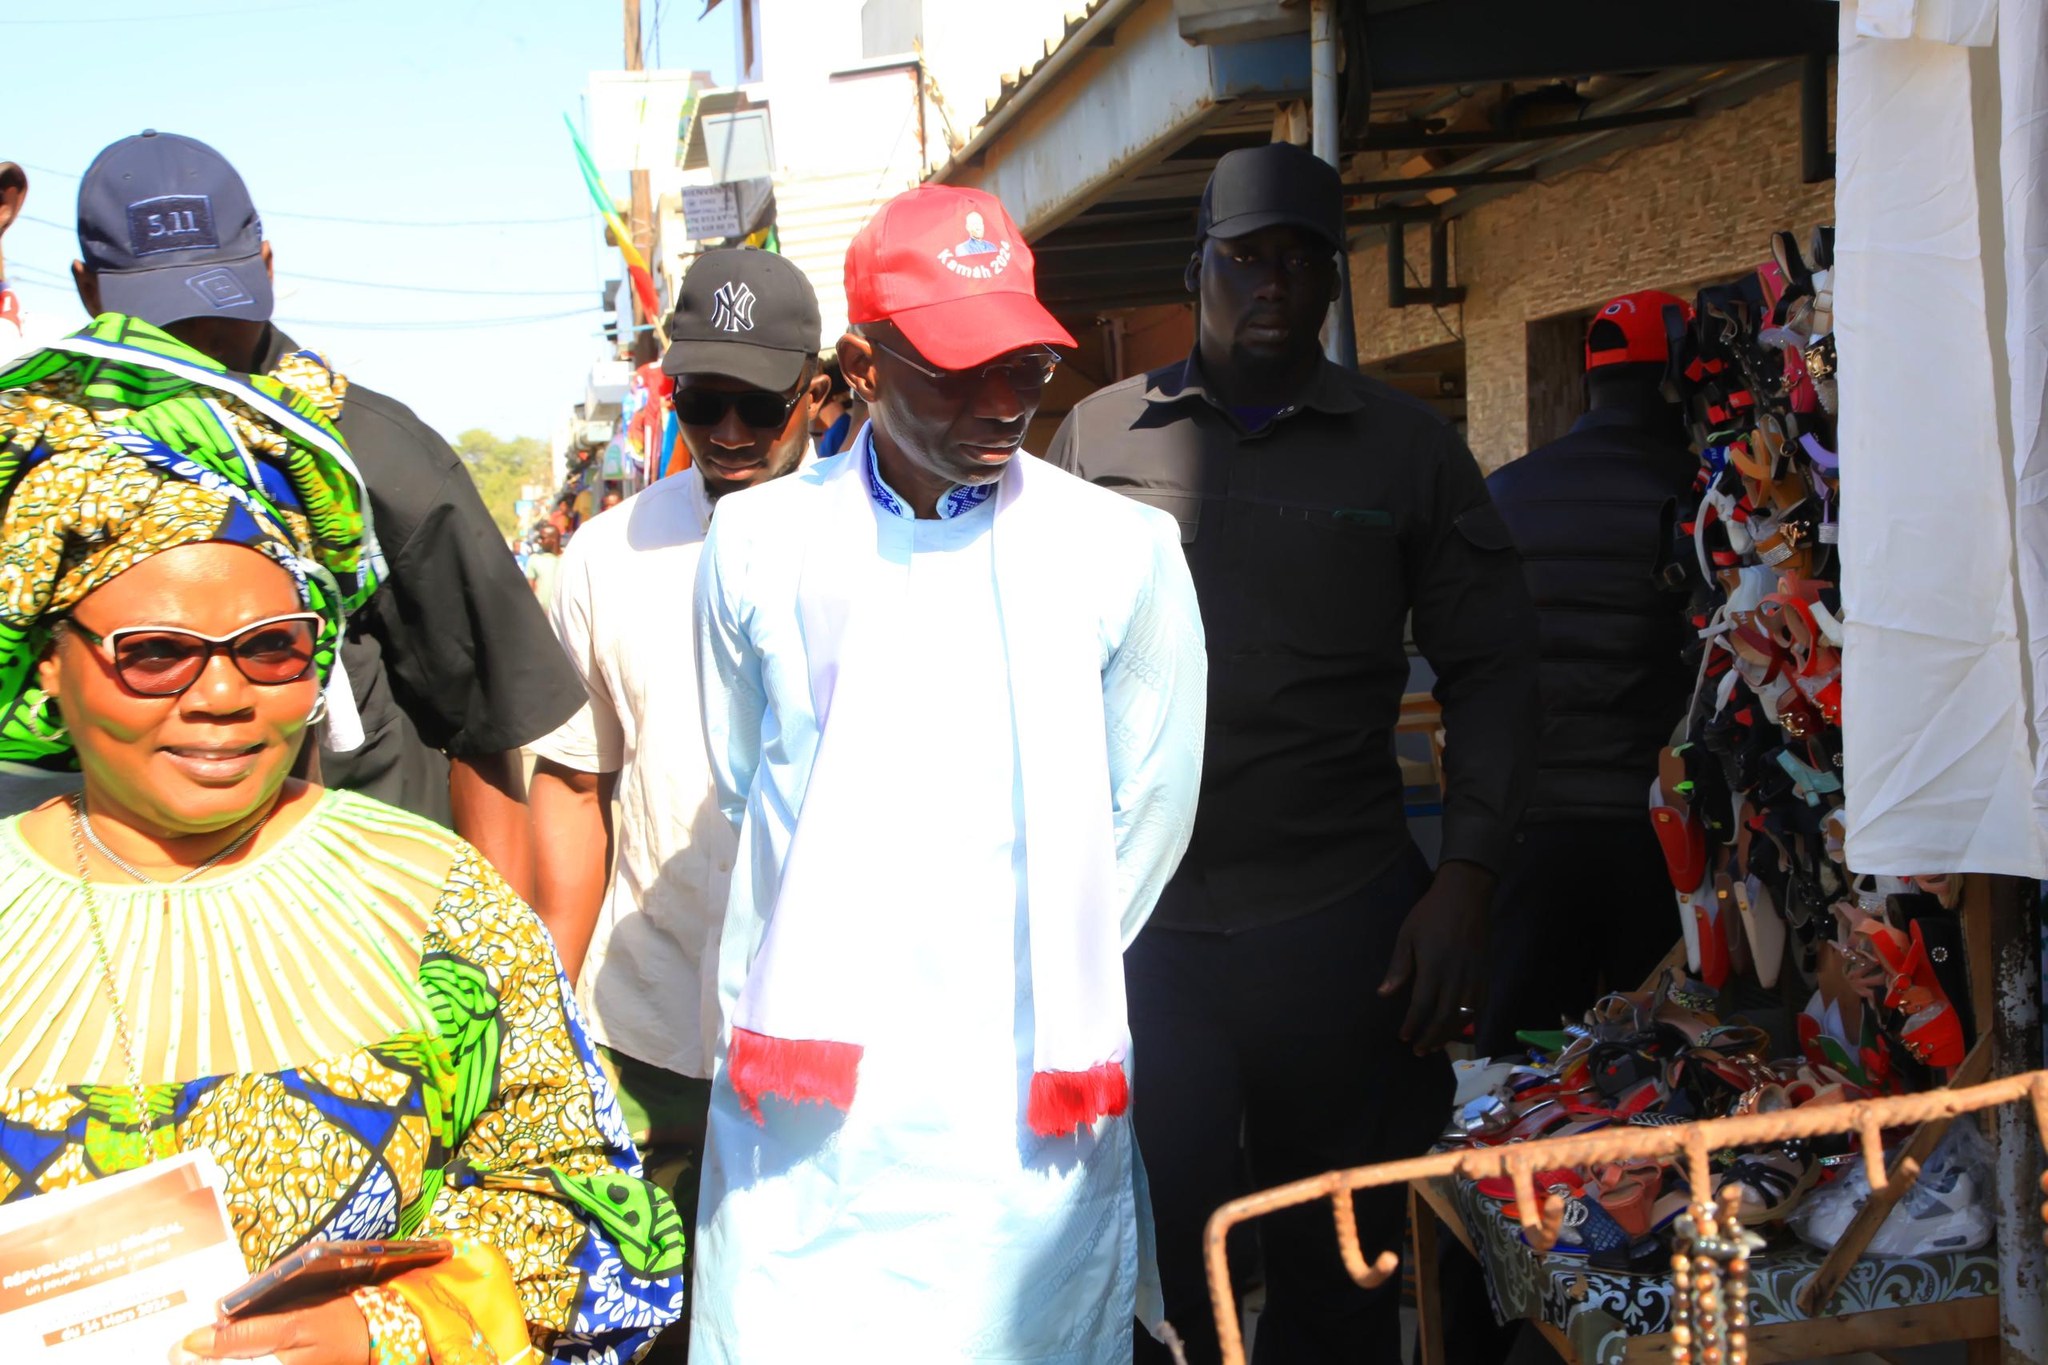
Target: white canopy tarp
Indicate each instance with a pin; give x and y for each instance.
(1941, 314)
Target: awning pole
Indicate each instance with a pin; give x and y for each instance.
(1340, 339)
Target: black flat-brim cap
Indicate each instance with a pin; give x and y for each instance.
(745, 314)
(1277, 185)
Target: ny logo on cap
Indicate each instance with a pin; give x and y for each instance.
(732, 308)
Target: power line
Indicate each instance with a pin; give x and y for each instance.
(31, 271)
(583, 217)
(397, 288)
(438, 223)
(445, 325)
(260, 10)
(433, 289)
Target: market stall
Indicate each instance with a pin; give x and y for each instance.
(1853, 808)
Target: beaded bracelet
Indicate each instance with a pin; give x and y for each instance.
(396, 1336)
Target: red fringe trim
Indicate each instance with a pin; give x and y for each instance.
(800, 1070)
(1062, 1101)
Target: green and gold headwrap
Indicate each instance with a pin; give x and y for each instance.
(120, 442)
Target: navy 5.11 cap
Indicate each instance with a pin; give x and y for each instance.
(167, 225)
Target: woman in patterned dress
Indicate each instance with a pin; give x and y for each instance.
(342, 1003)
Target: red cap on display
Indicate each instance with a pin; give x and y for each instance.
(949, 268)
(1630, 330)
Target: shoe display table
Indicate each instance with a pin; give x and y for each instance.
(1601, 1317)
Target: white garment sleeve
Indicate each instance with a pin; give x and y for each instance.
(592, 740)
(1155, 695)
(728, 675)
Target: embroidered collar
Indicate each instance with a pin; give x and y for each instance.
(961, 499)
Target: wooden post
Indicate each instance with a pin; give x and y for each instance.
(1429, 1308)
(2014, 911)
(640, 218)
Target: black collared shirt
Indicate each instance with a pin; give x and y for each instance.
(1313, 540)
(452, 654)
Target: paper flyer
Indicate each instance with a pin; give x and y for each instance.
(118, 1271)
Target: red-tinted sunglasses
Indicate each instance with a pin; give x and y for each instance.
(163, 661)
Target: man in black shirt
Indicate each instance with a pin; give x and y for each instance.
(451, 662)
(1592, 514)
(1305, 968)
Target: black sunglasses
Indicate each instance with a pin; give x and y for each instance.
(1024, 371)
(163, 661)
(758, 408)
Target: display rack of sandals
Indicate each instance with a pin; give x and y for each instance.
(1796, 982)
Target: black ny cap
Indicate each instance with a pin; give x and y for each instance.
(1270, 186)
(747, 314)
(168, 227)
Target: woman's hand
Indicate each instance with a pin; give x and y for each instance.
(330, 1333)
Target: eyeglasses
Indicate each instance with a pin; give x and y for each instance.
(163, 661)
(758, 408)
(1025, 371)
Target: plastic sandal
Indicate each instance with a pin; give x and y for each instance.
(1771, 1182)
(1501, 1189)
(1935, 1036)
(1943, 887)
(1764, 926)
(1628, 1192)
(1684, 841)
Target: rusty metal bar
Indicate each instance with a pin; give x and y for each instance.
(1420, 184)
(1404, 138)
(1517, 1161)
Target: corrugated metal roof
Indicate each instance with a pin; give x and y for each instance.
(1021, 77)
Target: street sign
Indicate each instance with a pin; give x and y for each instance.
(711, 212)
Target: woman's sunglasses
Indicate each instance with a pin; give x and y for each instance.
(758, 408)
(163, 661)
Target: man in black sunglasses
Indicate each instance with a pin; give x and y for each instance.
(743, 351)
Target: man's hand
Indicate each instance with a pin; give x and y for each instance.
(330, 1333)
(13, 193)
(1440, 957)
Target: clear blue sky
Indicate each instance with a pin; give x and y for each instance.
(413, 110)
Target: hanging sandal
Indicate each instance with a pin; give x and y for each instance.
(1764, 927)
(1771, 1182)
(1683, 839)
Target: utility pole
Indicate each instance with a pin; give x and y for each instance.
(640, 218)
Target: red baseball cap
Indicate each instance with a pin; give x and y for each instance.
(1630, 330)
(949, 268)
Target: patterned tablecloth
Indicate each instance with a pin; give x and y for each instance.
(1598, 1310)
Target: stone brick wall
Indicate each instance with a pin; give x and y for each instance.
(1692, 208)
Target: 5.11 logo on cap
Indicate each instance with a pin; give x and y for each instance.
(171, 222)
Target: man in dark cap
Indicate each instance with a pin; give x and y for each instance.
(1305, 966)
(635, 855)
(1593, 514)
(451, 666)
